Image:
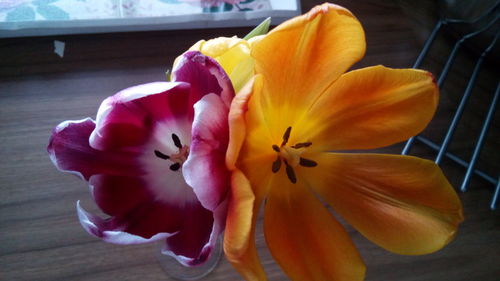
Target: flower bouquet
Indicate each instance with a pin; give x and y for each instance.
(263, 120)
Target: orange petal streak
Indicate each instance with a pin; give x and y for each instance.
(404, 204)
(305, 239)
(239, 237)
(371, 108)
(300, 58)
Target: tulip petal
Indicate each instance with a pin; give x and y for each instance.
(239, 238)
(249, 135)
(111, 231)
(192, 237)
(301, 57)
(237, 126)
(233, 54)
(204, 75)
(70, 151)
(305, 239)
(127, 118)
(403, 204)
(172, 248)
(118, 195)
(205, 170)
(371, 108)
(190, 229)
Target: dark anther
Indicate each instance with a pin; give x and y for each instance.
(161, 155)
(177, 141)
(276, 148)
(302, 144)
(276, 165)
(307, 163)
(290, 173)
(286, 136)
(175, 166)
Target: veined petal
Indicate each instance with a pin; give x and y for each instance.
(127, 118)
(306, 241)
(249, 134)
(191, 245)
(190, 229)
(403, 204)
(119, 231)
(237, 126)
(205, 169)
(70, 151)
(300, 58)
(219, 220)
(118, 195)
(239, 238)
(370, 108)
(204, 75)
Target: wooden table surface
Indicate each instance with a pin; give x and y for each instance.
(40, 236)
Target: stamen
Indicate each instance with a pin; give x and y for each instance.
(302, 144)
(307, 163)
(161, 155)
(174, 167)
(177, 141)
(286, 136)
(276, 165)
(276, 148)
(290, 173)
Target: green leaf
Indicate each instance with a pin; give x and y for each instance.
(22, 13)
(51, 12)
(261, 29)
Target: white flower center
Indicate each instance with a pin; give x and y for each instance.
(163, 158)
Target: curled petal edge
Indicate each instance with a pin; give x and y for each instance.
(91, 223)
(205, 169)
(208, 249)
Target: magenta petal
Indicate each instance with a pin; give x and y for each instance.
(70, 151)
(205, 75)
(193, 235)
(205, 169)
(126, 119)
(101, 228)
(118, 195)
(185, 246)
(141, 224)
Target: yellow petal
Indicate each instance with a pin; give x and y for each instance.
(239, 237)
(300, 58)
(233, 54)
(305, 239)
(403, 204)
(242, 68)
(372, 107)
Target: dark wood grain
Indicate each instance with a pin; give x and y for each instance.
(40, 237)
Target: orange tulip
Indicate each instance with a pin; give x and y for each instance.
(288, 127)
